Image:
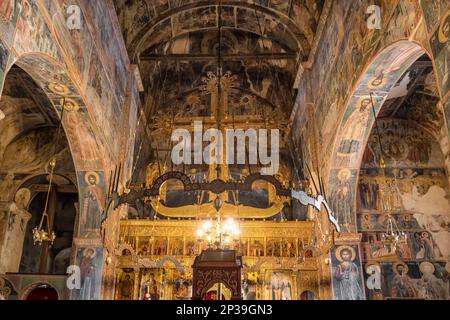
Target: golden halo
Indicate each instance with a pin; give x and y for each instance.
(86, 253)
(91, 173)
(69, 104)
(339, 250)
(344, 174)
(370, 84)
(59, 89)
(361, 100)
(443, 38)
(398, 263)
(426, 264)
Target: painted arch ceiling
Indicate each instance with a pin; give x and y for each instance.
(174, 42)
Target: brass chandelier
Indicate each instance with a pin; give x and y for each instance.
(392, 237)
(44, 234)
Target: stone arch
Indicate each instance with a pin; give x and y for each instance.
(84, 142)
(28, 289)
(378, 78)
(305, 290)
(52, 77)
(288, 24)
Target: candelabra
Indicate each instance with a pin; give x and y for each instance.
(219, 234)
(393, 236)
(39, 233)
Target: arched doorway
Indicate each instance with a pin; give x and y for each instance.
(62, 202)
(308, 295)
(31, 136)
(42, 292)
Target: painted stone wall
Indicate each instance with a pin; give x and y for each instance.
(331, 114)
(87, 71)
(414, 190)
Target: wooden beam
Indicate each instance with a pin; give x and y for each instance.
(225, 57)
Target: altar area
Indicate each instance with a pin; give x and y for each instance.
(156, 259)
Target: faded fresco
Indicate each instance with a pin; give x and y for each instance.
(407, 280)
(347, 273)
(437, 16)
(411, 189)
(111, 91)
(4, 54)
(92, 192)
(90, 260)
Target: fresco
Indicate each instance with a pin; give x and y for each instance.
(382, 74)
(144, 14)
(90, 261)
(9, 10)
(91, 186)
(413, 188)
(346, 273)
(30, 138)
(408, 280)
(437, 17)
(78, 42)
(4, 54)
(32, 33)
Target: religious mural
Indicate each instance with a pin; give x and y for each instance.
(346, 273)
(437, 15)
(414, 191)
(293, 65)
(403, 183)
(92, 191)
(408, 280)
(3, 62)
(90, 260)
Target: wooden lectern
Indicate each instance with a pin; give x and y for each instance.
(217, 266)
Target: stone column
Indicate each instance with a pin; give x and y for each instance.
(15, 227)
(88, 250)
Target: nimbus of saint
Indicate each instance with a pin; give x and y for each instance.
(347, 275)
(92, 205)
(402, 284)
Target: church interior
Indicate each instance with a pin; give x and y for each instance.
(224, 150)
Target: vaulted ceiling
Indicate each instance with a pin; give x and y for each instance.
(175, 43)
(30, 135)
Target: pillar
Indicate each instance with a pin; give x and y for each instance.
(16, 221)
